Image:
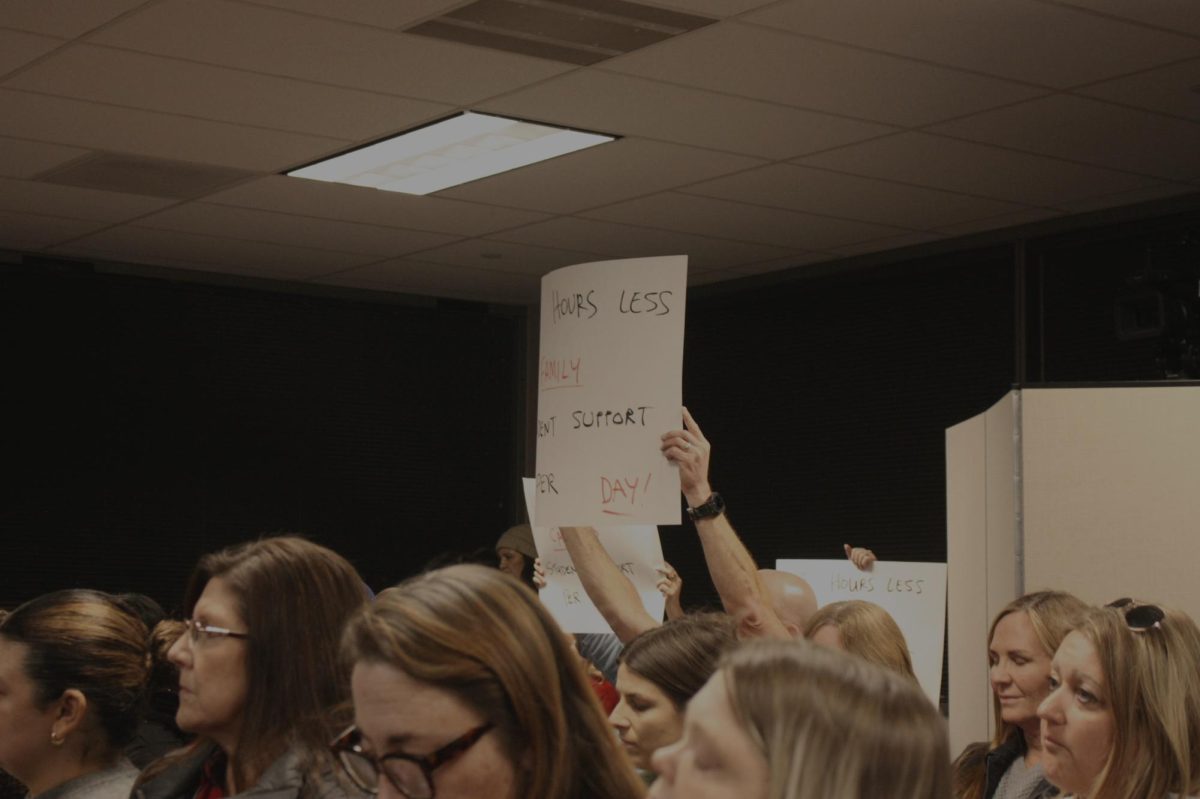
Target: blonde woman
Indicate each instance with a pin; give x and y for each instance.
(1123, 717)
(788, 720)
(464, 687)
(863, 629)
(1021, 643)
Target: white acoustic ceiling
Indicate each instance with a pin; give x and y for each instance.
(783, 134)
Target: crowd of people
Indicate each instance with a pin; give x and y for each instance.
(286, 677)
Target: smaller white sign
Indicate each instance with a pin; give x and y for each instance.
(913, 593)
(635, 549)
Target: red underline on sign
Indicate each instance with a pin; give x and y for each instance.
(551, 388)
(615, 513)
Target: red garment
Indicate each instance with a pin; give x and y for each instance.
(606, 692)
(212, 778)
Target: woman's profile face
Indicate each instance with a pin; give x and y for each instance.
(511, 561)
(1019, 670)
(1077, 722)
(715, 758)
(396, 714)
(213, 683)
(24, 728)
(645, 719)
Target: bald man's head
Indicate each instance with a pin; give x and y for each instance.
(791, 597)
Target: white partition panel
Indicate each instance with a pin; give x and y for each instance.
(1112, 492)
(981, 557)
(1092, 490)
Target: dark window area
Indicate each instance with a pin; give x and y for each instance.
(826, 402)
(1119, 303)
(150, 421)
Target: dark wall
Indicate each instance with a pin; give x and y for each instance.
(150, 421)
(826, 403)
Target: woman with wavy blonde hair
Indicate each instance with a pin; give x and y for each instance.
(1021, 642)
(863, 629)
(464, 685)
(1123, 715)
(789, 720)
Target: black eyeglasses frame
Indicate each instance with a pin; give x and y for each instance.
(348, 745)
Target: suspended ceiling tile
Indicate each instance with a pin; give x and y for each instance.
(168, 85)
(63, 18)
(781, 264)
(1179, 15)
(300, 231)
(710, 8)
(1058, 46)
(707, 216)
(370, 206)
(817, 191)
(1088, 131)
(1146, 194)
(1003, 221)
(18, 48)
(325, 51)
(235, 256)
(632, 106)
(75, 203)
(105, 127)
(695, 278)
(376, 13)
(970, 168)
(627, 241)
(24, 159)
(442, 280)
(1170, 90)
(781, 67)
(20, 231)
(600, 175)
(505, 256)
(889, 243)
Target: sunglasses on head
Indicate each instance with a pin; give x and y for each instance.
(1138, 617)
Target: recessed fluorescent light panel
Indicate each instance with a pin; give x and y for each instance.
(457, 150)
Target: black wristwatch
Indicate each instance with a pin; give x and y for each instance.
(711, 508)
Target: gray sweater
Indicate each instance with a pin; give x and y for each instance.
(113, 783)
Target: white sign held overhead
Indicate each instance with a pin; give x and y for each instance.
(913, 593)
(610, 383)
(635, 549)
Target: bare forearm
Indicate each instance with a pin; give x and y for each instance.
(736, 578)
(611, 591)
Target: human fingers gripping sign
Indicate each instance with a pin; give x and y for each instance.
(690, 451)
(669, 582)
(861, 557)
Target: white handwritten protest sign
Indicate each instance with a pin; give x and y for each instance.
(913, 593)
(610, 377)
(636, 549)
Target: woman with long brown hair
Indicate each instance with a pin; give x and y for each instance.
(260, 680)
(74, 666)
(1123, 716)
(1021, 644)
(464, 686)
(660, 671)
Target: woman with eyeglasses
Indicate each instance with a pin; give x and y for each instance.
(1021, 644)
(74, 666)
(260, 680)
(1122, 720)
(465, 687)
